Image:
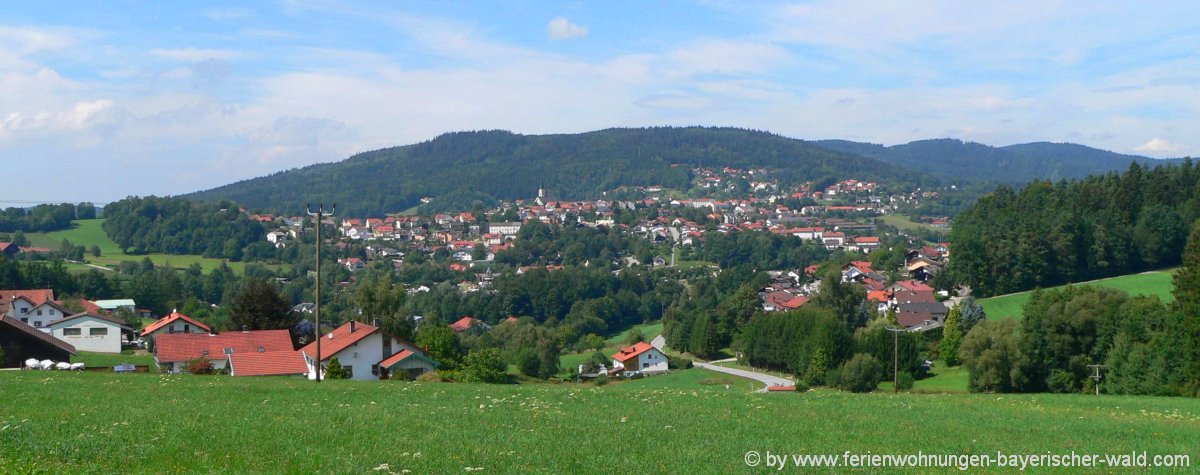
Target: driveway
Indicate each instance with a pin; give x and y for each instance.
(766, 379)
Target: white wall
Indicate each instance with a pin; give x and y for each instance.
(85, 341)
(49, 314)
(362, 356)
(179, 326)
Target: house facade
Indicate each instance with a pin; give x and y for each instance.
(366, 353)
(90, 332)
(175, 322)
(642, 357)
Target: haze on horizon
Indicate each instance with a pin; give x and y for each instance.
(105, 100)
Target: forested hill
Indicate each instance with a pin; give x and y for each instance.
(955, 159)
(460, 168)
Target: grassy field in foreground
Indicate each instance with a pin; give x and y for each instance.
(88, 233)
(52, 422)
(1150, 283)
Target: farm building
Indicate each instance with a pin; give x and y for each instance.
(21, 342)
(91, 332)
(366, 353)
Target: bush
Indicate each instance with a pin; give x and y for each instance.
(430, 377)
(833, 377)
(678, 362)
(862, 373)
(484, 366)
(334, 369)
(905, 381)
(600, 380)
(199, 366)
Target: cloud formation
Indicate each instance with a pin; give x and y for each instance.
(1160, 147)
(562, 29)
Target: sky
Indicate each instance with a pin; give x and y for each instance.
(102, 100)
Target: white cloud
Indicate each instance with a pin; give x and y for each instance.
(1160, 147)
(561, 29)
(195, 54)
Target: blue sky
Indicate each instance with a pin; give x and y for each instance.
(108, 99)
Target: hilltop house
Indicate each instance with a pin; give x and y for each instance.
(91, 332)
(641, 357)
(365, 352)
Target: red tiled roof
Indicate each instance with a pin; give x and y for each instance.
(341, 339)
(877, 296)
(167, 320)
(914, 286)
(267, 363)
(34, 296)
(465, 323)
(90, 306)
(36, 334)
(796, 302)
(629, 352)
(188, 346)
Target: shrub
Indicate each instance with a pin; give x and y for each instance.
(199, 366)
(678, 362)
(862, 373)
(334, 369)
(801, 386)
(430, 377)
(833, 377)
(905, 381)
(484, 366)
(600, 380)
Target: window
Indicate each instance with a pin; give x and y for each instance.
(24, 309)
(645, 365)
(187, 328)
(97, 331)
(24, 320)
(375, 369)
(349, 371)
(71, 332)
(52, 312)
(39, 312)
(37, 323)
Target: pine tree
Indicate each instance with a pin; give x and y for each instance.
(951, 337)
(334, 370)
(1187, 278)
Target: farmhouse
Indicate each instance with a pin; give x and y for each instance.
(91, 332)
(20, 304)
(21, 342)
(173, 351)
(365, 352)
(640, 357)
(175, 323)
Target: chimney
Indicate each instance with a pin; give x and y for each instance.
(245, 329)
(352, 326)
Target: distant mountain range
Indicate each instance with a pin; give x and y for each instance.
(958, 160)
(462, 169)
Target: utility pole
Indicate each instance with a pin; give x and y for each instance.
(320, 214)
(1097, 377)
(895, 358)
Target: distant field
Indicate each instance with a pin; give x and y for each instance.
(58, 422)
(1150, 283)
(88, 233)
(902, 222)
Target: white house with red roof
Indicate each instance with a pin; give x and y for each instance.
(642, 357)
(172, 351)
(91, 332)
(20, 304)
(175, 322)
(468, 322)
(366, 352)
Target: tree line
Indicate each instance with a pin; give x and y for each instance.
(1048, 234)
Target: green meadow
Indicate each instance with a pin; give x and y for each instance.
(87, 232)
(685, 422)
(1149, 283)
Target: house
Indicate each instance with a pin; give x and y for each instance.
(91, 332)
(175, 323)
(9, 249)
(468, 322)
(18, 303)
(21, 342)
(112, 306)
(365, 352)
(353, 263)
(39, 315)
(867, 243)
(642, 357)
(922, 314)
(173, 351)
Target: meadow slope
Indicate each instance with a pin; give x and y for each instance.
(148, 423)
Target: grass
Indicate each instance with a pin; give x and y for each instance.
(60, 422)
(902, 222)
(88, 232)
(94, 360)
(649, 331)
(1149, 283)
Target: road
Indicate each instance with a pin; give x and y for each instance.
(766, 379)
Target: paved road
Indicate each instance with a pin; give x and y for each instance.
(766, 379)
